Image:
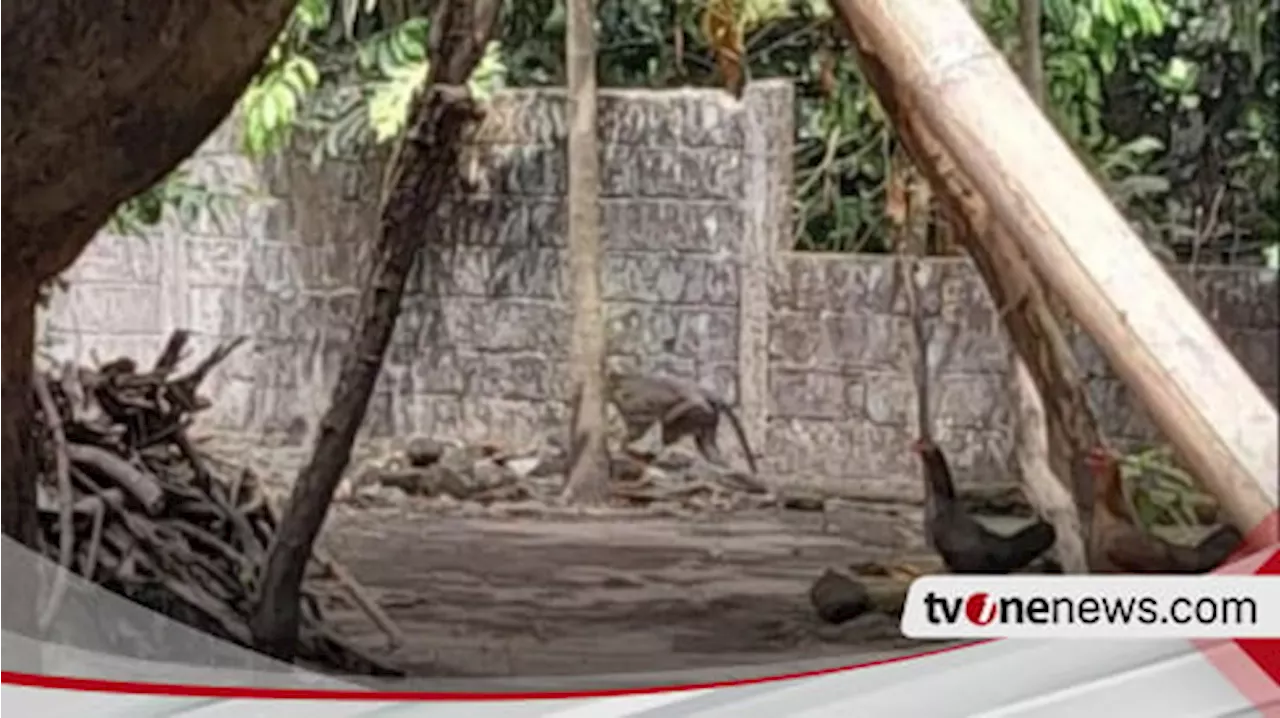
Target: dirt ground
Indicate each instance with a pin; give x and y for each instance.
(529, 596)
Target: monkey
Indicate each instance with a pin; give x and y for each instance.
(681, 407)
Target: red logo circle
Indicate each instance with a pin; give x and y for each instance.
(979, 609)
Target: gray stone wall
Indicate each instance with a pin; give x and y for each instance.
(489, 334)
(840, 370)
(699, 282)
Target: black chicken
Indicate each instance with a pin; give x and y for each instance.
(965, 545)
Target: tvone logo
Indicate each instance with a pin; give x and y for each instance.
(980, 609)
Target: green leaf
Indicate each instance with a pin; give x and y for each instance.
(312, 14)
(1151, 17)
(1144, 145)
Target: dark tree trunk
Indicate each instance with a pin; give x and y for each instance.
(20, 461)
(422, 173)
(19, 455)
(101, 99)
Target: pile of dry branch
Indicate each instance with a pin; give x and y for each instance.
(128, 503)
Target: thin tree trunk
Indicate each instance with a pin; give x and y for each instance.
(588, 480)
(421, 174)
(1031, 48)
(1046, 490)
(19, 454)
(1045, 464)
(1031, 327)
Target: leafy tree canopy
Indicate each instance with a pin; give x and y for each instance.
(1173, 103)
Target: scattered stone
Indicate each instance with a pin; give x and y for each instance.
(838, 598)
(409, 481)
(460, 458)
(488, 474)
(379, 495)
(675, 460)
(524, 466)
(625, 467)
(422, 451)
(673, 481)
(439, 479)
(803, 503)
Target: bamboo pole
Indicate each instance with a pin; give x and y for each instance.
(942, 69)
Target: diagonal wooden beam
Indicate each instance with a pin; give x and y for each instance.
(941, 69)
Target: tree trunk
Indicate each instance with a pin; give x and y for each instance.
(101, 100)
(19, 454)
(20, 463)
(1046, 465)
(1051, 215)
(1031, 49)
(1043, 466)
(588, 480)
(422, 172)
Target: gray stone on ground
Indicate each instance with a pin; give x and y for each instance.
(838, 598)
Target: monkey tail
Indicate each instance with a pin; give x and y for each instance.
(723, 407)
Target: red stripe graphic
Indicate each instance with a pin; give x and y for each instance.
(98, 685)
(1252, 665)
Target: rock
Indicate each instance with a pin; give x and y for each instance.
(462, 458)
(422, 451)
(523, 466)
(838, 598)
(625, 467)
(434, 480)
(345, 492)
(550, 464)
(674, 459)
(803, 503)
(407, 480)
(377, 494)
(489, 474)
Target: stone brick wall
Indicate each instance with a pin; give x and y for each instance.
(699, 281)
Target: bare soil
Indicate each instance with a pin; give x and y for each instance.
(546, 595)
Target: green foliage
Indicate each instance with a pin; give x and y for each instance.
(189, 200)
(1172, 103)
(272, 102)
(397, 59)
(342, 72)
(1164, 500)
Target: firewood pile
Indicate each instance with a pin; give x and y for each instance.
(127, 502)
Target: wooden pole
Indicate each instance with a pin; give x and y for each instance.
(589, 473)
(944, 72)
